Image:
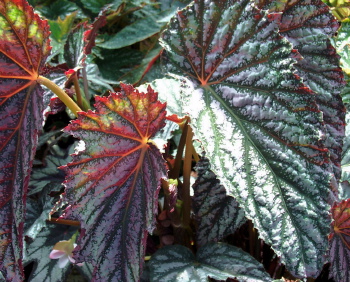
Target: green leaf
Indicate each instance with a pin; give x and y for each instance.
(95, 6)
(60, 28)
(217, 214)
(259, 125)
(133, 33)
(112, 184)
(58, 9)
(113, 64)
(216, 260)
(135, 75)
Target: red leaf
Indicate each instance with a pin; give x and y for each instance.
(112, 185)
(340, 241)
(24, 46)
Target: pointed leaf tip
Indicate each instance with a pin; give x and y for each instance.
(112, 185)
(259, 124)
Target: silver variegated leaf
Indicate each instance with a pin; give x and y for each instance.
(216, 260)
(217, 214)
(260, 126)
(308, 25)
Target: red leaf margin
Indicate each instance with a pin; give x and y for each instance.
(24, 46)
(112, 184)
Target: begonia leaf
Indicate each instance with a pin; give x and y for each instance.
(24, 46)
(217, 214)
(46, 269)
(259, 124)
(216, 260)
(112, 185)
(340, 241)
(308, 25)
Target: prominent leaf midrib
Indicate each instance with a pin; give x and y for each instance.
(204, 53)
(111, 166)
(13, 220)
(107, 203)
(228, 53)
(139, 167)
(247, 137)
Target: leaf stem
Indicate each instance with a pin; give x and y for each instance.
(63, 221)
(77, 90)
(60, 94)
(187, 169)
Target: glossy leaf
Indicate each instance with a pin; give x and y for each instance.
(308, 25)
(340, 242)
(217, 214)
(260, 126)
(112, 184)
(24, 46)
(216, 260)
(133, 33)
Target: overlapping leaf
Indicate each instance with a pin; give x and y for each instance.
(24, 45)
(112, 184)
(216, 260)
(46, 269)
(217, 214)
(340, 242)
(260, 126)
(308, 25)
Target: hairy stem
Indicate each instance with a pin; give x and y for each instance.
(60, 94)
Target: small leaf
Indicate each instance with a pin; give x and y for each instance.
(216, 260)
(24, 47)
(259, 125)
(112, 185)
(217, 214)
(340, 242)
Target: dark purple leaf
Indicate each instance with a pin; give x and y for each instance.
(217, 214)
(24, 46)
(112, 185)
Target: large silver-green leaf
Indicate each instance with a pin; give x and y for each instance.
(260, 126)
(308, 25)
(216, 260)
